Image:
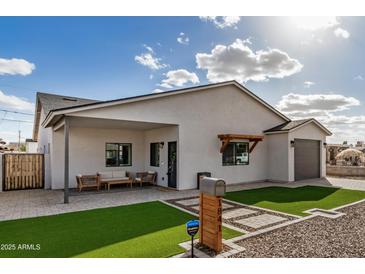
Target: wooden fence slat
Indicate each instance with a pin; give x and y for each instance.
(23, 171)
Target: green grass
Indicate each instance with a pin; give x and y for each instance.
(296, 200)
(150, 229)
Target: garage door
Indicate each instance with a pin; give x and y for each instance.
(306, 159)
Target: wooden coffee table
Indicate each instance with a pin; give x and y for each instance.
(121, 182)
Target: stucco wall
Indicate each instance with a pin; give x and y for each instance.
(87, 152)
(31, 147)
(278, 157)
(44, 146)
(312, 132)
(201, 116)
(165, 134)
(351, 171)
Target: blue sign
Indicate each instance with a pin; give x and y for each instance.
(192, 227)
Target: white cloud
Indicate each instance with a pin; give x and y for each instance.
(314, 23)
(308, 84)
(341, 33)
(359, 77)
(318, 25)
(178, 78)
(12, 102)
(344, 120)
(222, 22)
(183, 39)
(15, 66)
(157, 90)
(325, 108)
(315, 104)
(149, 59)
(239, 62)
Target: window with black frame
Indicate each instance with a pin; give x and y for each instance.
(236, 153)
(155, 154)
(118, 154)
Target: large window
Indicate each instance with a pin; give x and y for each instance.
(236, 154)
(154, 154)
(118, 154)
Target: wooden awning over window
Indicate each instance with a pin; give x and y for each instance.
(226, 138)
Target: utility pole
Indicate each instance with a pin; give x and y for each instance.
(19, 141)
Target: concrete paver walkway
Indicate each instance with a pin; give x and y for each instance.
(37, 202)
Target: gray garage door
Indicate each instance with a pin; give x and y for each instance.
(306, 159)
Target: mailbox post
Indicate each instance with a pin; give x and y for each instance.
(210, 214)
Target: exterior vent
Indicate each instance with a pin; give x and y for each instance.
(69, 99)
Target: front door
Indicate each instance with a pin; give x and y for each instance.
(172, 164)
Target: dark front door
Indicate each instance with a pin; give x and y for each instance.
(172, 166)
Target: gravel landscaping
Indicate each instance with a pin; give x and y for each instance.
(316, 237)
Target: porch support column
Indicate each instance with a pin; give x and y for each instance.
(66, 135)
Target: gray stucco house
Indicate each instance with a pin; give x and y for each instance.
(221, 128)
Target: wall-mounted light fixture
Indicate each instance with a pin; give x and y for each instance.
(162, 144)
(324, 144)
(292, 143)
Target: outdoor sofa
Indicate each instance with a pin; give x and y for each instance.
(109, 178)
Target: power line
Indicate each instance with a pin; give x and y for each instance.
(13, 120)
(17, 112)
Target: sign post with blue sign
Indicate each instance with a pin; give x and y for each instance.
(192, 228)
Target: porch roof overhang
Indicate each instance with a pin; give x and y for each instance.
(226, 138)
(91, 122)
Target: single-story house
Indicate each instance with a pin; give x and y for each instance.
(220, 128)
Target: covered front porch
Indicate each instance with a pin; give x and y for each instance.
(91, 145)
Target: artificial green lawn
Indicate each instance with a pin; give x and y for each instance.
(296, 200)
(150, 229)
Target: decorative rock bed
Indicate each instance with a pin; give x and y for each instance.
(318, 236)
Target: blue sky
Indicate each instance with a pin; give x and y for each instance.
(307, 67)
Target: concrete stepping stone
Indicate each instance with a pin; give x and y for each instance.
(189, 202)
(237, 213)
(226, 206)
(261, 220)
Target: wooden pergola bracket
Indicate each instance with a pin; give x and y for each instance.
(224, 145)
(226, 138)
(253, 146)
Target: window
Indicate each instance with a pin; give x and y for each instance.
(118, 154)
(154, 154)
(236, 154)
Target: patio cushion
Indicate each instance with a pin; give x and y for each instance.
(119, 174)
(115, 179)
(106, 174)
(151, 172)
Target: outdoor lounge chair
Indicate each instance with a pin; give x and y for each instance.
(146, 177)
(87, 181)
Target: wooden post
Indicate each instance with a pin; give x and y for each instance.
(210, 216)
(66, 135)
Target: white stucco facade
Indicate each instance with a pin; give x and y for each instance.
(193, 120)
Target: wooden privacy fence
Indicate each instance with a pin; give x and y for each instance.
(23, 171)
